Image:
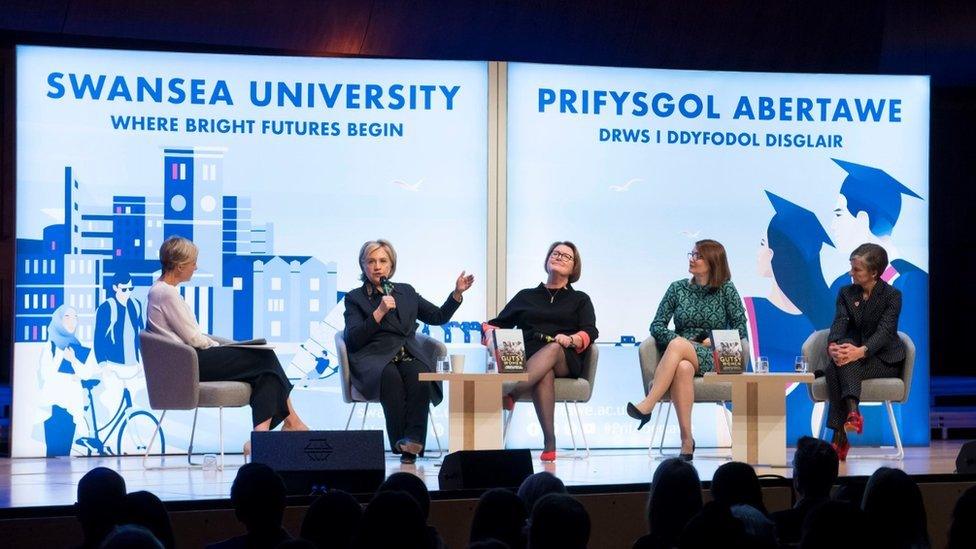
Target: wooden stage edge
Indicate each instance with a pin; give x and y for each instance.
(36, 494)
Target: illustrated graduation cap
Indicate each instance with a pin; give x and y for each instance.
(873, 191)
(796, 236)
(797, 224)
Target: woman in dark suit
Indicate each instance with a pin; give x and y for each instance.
(863, 341)
(384, 357)
(559, 325)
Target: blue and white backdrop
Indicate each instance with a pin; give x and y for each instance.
(279, 168)
(790, 172)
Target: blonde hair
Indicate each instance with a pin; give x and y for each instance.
(176, 251)
(371, 246)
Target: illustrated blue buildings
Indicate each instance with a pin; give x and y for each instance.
(40, 283)
(279, 297)
(291, 294)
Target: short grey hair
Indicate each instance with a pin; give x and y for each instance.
(874, 257)
(371, 246)
(176, 251)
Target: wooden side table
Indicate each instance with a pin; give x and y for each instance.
(475, 408)
(759, 414)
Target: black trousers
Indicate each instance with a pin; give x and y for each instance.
(260, 369)
(406, 402)
(844, 382)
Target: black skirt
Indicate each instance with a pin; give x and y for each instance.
(260, 369)
(574, 360)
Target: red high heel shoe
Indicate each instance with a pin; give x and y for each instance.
(841, 450)
(508, 403)
(549, 456)
(854, 423)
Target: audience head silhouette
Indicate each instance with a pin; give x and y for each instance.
(558, 521)
(675, 497)
(537, 485)
(258, 496)
(714, 526)
(815, 467)
(962, 531)
(145, 509)
(892, 499)
(101, 504)
(760, 530)
(332, 520)
(736, 483)
(411, 484)
(392, 519)
(131, 536)
(500, 516)
(837, 525)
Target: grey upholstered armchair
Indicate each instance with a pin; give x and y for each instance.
(173, 383)
(351, 396)
(571, 391)
(716, 393)
(885, 390)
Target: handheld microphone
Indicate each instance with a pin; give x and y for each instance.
(549, 339)
(386, 285)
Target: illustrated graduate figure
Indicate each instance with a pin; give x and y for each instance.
(868, 207)
(799, 300)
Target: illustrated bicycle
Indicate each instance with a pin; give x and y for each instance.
(130, 428)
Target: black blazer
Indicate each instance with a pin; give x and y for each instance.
(372, 346)
(872, 323)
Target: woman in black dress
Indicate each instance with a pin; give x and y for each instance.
(863, 341)
(559, 325)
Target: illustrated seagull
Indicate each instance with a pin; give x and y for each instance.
(407, 186)
(625, 187)
(690, 234)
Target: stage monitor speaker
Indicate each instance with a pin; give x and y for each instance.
(966, 460)
(312, 462)
(474, 469)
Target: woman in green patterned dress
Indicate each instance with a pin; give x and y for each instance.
(705, 302)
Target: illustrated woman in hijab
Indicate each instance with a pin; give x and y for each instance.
(799, 301)
(64, 364)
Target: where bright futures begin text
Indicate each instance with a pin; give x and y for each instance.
(177, 91)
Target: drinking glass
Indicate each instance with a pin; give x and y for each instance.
(443, 365)
(800, 365)
(762, 365)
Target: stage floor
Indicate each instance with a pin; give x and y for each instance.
(27, 483)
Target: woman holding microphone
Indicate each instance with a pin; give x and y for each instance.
(385, 358)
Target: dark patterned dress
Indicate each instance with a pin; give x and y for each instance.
(697, 310)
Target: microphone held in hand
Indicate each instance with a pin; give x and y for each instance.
(549, 339)
(386, 285)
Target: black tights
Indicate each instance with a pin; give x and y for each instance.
(543, 368)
